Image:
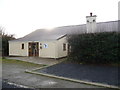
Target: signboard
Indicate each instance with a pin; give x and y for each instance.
(45, 45)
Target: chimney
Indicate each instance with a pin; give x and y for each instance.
(90, 14)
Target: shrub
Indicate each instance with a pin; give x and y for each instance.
(97, 48)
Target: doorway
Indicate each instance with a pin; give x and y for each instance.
(33, 48)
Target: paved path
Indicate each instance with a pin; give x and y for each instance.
(36, 60)
(15, 73)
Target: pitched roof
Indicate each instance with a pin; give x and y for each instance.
(56, 33)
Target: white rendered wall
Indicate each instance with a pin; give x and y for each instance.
(54, 49)
(60, 51)
(15, 49)
(49, 51)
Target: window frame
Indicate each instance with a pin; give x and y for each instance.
(64, 47)
(94, 20)
(23, 46)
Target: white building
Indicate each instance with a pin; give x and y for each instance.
(53, 44)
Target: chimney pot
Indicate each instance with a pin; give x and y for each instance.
(90, 14)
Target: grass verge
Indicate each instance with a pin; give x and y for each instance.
(23, 63)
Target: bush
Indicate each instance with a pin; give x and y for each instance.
(100, 48)
(5, 44)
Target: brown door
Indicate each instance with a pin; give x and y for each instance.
(33, 49)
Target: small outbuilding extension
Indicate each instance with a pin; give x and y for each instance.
(53, 46)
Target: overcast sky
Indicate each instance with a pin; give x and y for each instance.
(21, 17)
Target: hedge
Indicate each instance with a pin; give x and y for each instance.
(100, 48)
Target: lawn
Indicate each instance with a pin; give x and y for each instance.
(18, 62)
(0, 59)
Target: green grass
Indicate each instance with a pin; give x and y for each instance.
(0, 59)
(23, 63)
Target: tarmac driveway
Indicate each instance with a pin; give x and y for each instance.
(14, 72)
(92, 73)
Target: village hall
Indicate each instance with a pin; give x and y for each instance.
(53, 44)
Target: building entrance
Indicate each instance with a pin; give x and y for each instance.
(33, 49)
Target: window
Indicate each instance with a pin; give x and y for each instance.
(93, 20)
(40, 45)
(22, 46)
(64, 47)
(87, 20)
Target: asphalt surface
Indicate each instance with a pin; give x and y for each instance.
(7, 85)
(14, 72)
(101, 74)
(10, 86)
